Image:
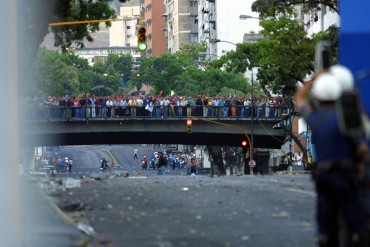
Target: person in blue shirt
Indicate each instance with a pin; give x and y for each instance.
(340, 162)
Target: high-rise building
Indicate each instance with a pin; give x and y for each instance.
(219, 24)
(320, 20)
(181, 23)
(123, 33)
(154, 21)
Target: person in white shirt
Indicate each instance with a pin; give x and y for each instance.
(139, 106)
(216, 106)
(166, 103)
(182, 104)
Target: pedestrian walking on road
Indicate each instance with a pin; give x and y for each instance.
(70, 163)
(135, 153)
(340, 161)
(162, 163)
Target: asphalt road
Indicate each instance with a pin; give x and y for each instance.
(86, 159)
(196, 211)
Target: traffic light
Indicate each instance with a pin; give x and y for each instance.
(189, 124)
(141, 39)
(244, 146)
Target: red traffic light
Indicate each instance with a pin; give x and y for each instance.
(189, 126)
(244, 143)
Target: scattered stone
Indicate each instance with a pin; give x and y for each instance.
(88, 230)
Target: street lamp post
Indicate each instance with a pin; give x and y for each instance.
(252, 120)
(244, 17)
(252, 116)
(224, 41)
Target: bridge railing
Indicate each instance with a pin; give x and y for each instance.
(88, 112)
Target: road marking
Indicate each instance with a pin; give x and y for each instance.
(138, 177)
(313, 194)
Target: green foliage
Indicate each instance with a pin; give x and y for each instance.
(178, 72)
(66, 35)
(190, 51)
(159, 72)
(53, 72)
(50, 75)
(275, 8)
(122, 63)
(284, 56)
(246, 56)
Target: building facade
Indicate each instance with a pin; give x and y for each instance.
(181, 23)
(123, 33)
(219, 24)
(320, 20)
(154, 21)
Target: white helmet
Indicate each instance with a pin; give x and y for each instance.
(326, 87)
(344, 76)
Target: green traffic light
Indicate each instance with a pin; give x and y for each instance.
(142, 47)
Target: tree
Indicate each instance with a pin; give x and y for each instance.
(34, 17)
(84, 71)
(216, 153)
(105, 76)
(159, 72)
(67, 35)
(274, 8)
(50, 75)
(210, 82)
(122, 63)
(284, 56)
(287, 53)
(190, 52)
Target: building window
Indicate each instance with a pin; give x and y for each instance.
(193, 38)
(192, 3)
(193, 20)
(128, 27)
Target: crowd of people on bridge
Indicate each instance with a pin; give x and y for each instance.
(159, 106)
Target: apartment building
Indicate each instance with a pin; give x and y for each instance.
(123, 33)
(320, 20)
(154, 21)
(181, 23)
(219, 24)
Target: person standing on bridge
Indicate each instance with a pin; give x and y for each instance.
(135, 153)
(340, 161)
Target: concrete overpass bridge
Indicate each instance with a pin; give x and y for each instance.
(149, 130)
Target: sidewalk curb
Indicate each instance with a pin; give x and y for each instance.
(82, 240)
(65, 217)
